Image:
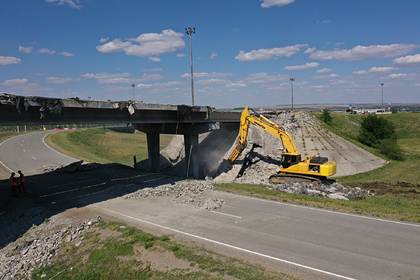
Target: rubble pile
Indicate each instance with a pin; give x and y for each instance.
(71, 168)
(39, 245)
(334, 191)
(193, 195)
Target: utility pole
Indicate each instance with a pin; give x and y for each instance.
(191, 31)
(134, 94)
(382, 109)
(291, 80)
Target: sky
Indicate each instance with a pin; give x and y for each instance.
(245, 52)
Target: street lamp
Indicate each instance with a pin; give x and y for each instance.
(134, 94)
(291, 80)
(382, 84)
(191, 31)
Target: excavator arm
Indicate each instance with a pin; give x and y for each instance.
(259, 120)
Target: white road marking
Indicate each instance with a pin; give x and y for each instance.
(1, 161)
(221, 213)
(230, 246)
(335, 212)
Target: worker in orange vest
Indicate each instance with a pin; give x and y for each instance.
(21, 182)
(13, 184)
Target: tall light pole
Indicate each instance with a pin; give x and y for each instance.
(134, 94)
(191, 31)
(382, 109)
(291, 80)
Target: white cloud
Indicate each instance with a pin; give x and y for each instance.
(407, 61)
(301, 67)
(104, 75)
(318, 87)
(121, 78)
(339, 43)
(362, 52)
(180, 55)
(213, 55)
(212, 82)
(206, 75)
(24, 86)
(103, 40)
(239, 84)
(325, 77)
(400, 75)
(46, 51)
(265, 54)
(66, 54)
(154, 59)
(361, 72)
(71, 3)
(376, 70)
(56, 80)
(25, 49)
(6, 60)
(310, 50)
(280, 3)
(324, 70)
(149, 44)
(264, 78)
(115, 45)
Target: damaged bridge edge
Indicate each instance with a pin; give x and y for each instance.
(184, 113)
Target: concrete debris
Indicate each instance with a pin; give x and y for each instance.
(71, 168)
(334, 191)
(40, 245)
(193, 195)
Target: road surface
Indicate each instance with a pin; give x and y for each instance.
(322, 243)
(29, 153)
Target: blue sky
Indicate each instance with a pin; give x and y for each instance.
(244, 51)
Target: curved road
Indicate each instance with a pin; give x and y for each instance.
(29, 153)
(322, 243)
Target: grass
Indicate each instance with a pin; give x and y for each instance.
(408, 129)
(121, 258)
(103, 145)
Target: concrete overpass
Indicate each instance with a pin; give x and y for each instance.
(153, 119)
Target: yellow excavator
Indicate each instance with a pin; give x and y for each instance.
(293, 168)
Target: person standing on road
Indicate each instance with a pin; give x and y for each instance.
(21, 182)
(13, 184)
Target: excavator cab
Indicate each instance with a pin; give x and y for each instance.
(288, 160)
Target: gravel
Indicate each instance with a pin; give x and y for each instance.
(193, 195)
(40, 245)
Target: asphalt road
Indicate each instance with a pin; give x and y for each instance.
(29, 152)
(326, 244)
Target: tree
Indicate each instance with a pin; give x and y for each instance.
(326, 116)
(374, 129)
(378, 132)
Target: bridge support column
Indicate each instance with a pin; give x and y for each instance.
(191, 155)
(153, 149)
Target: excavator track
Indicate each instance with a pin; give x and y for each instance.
(281, 178)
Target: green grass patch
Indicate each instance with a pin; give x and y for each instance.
(395, 204)
(407, 127)
(117, 258)
(103, 145)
